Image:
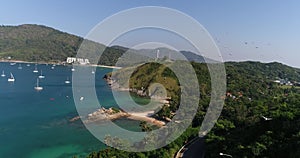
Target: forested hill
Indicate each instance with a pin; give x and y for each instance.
(30, 42)
(272, 70)
(35, 42)
(260, 118)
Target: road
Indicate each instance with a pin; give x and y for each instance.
(193, 149)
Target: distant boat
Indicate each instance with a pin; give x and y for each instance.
(93, 72)
(3, 74)
(35, 69)
(20, 67)
(53, 66)
(28, 65)
(67, 81)
(37, 87)
(12, 78)
(73, 69)
(41, 76)
(81, 98)
(12, 64)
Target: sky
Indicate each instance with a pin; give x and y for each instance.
(259, 30)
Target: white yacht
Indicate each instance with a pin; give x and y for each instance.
(35, 69)
(41, 76)
(20, 67)
(3, 74)
(12, 78)
(37, 87)
(67, 81)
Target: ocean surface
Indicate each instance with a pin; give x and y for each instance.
(36, 124)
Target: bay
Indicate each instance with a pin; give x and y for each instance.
(36, 124)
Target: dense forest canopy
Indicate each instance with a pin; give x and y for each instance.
(260, 118)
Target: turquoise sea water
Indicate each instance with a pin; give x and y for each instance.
(35, 124)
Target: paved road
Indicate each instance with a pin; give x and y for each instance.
(193, 149)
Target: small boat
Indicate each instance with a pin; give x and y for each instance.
(3, 74)
(81, 98)
(72, 69)
(35, 69)
(12, 78)
(12, 64)
(37, 87)
(93, 72)
(41, 76)
(20, 67)
(28, 65)
(67, 81)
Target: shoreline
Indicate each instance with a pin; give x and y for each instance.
(103, 114)
(147, 119)
(105, 66)
(141, 116)
(60, 63)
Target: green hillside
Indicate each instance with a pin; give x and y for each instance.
(36, 42)
(30, 42)
(241, 130)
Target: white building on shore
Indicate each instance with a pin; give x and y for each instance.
(81, 61)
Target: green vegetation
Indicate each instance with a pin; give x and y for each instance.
(30, 42)
(44, 44)
(241, 130)
(35, 42)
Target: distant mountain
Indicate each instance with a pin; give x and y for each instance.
(174, 55)
(190, 56)
(30, 42)
(272, 70)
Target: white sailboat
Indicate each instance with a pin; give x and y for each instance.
(67, 81)
(12, 78)
(20, 67)
(3, 74)
(35, 69)
(81, 98)
(37, 87)
(41, 76)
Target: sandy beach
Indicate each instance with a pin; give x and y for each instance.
(146, 117)
(108, 114)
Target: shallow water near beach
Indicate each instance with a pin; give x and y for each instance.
(36, 124)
